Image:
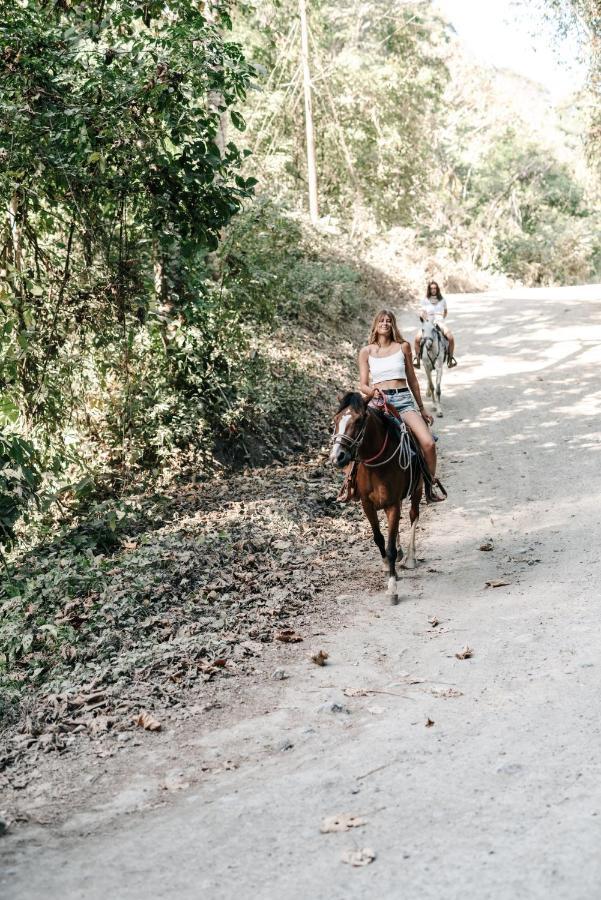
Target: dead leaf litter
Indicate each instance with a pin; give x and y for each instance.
(341, 822)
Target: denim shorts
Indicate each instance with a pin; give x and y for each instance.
(401, 399)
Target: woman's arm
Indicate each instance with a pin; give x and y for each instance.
(364, 386)
(414, 384)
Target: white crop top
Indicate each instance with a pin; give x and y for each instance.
(387, 368)
(433, 311)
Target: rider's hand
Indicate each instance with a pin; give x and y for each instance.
(428, 419)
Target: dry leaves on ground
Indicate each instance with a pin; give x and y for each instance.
(319, 658)
(496, 583)
(341, 822)
(429, 722)
(487, 546)
(147, 721)
(361, 856)
(446, 692)
(288, 636)
(356, 692)
(434, 621)
(465, 653)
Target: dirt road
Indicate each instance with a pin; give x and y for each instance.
(500, 796)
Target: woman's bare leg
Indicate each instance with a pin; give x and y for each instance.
(417, 345)
(451, 339)
(424, 438)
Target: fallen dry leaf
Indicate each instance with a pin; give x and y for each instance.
(341, 822)
(429, 722)
(446, 692)
(486, 547)
(465, 653)
(362, 856)
(288, 636)
(319, 658)
(496, 583)
(434, 621)
(356, 692)
(147, 721)
(99, 724)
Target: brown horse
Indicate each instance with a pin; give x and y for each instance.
(389, 471)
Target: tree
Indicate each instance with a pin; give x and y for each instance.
(377, 76)
(111, 176)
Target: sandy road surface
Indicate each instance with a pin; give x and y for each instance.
(501, 796)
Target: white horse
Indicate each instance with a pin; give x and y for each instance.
(434, 351)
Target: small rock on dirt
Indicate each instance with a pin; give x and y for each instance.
(361, 856)
(280, 674)
(333, 706)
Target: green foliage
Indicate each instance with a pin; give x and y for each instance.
(378, 78)
(533, 215)
(583, 19)
(279, 270)
(20, 479)
(117, 186)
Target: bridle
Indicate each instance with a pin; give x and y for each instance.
(353, 444)
(430, 341)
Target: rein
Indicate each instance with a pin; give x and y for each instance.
(440, 345)
(403, 448)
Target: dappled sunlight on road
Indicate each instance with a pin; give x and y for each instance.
(525, 400)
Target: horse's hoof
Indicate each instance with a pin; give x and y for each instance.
(410, 564)
(439, 414)
(394, 599)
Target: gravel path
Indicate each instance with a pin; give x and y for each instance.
(475, 777)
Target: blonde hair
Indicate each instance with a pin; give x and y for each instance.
(396, 333)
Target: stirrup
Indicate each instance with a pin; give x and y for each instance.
(452, 362)
(431, 496)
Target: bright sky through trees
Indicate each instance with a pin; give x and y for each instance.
(510, 35)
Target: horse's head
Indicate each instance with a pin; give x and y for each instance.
(430, 333)
(349, 428)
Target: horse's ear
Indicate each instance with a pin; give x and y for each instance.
(344, 400)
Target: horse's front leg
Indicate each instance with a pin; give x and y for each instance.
(430, 388)
(393, 514)
(371, 515)
(437, 402)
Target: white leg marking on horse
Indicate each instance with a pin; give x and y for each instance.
(391, 586)
(342, 426)
(410, 560)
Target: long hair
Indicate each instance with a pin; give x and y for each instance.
(429, 292)
(396, 333)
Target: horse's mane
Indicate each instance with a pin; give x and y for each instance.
(354, 400)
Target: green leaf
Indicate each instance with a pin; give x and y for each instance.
(237, 120)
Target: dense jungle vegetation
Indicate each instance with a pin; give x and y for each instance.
(164, 301)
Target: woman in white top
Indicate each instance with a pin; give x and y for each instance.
(385, 365)
(434, 309)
